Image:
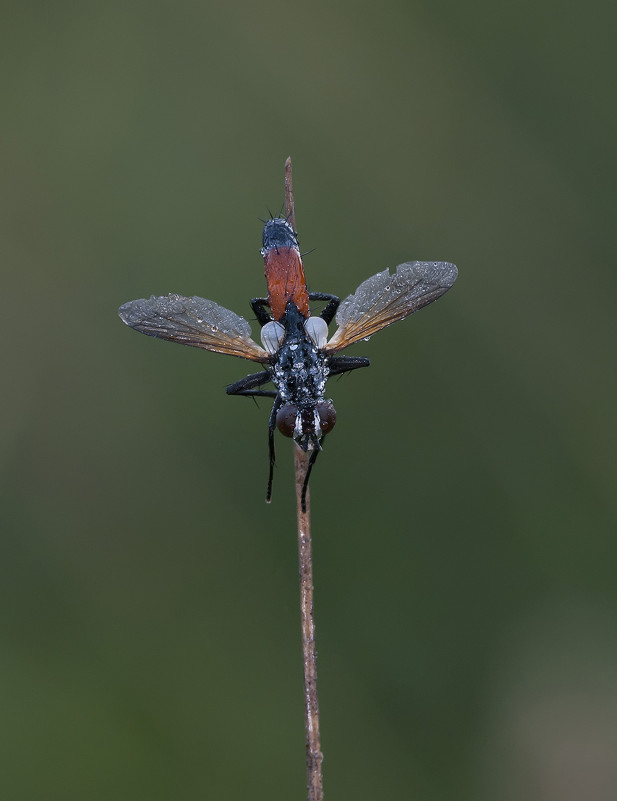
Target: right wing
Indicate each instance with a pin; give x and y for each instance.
(383, 299)
(193, 321)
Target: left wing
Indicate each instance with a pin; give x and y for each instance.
(383, 299)
(193, 321)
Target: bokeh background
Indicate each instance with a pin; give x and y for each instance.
(464, 511)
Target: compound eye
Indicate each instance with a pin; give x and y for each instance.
(317, 329)
(286, 419)
(272, 334)
(327, 416)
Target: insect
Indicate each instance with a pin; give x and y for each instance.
(296, 357)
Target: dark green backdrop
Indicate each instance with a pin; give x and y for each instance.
(464, 511)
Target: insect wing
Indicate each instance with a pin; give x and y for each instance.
(384, 298)
(193, 321)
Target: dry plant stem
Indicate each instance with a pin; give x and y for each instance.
(314, 757)
(290, 209)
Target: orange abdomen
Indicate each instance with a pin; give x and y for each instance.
(286, 281)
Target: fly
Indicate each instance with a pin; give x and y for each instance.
(297, 356)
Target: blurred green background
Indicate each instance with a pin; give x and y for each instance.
(463, 512)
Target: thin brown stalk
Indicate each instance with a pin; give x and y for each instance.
(290, 208)
(314, 757)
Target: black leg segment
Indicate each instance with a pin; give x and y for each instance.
(343, 364)
(258, 306)
(309, 467)
(271, 428)
(330, 310)
(246, 385)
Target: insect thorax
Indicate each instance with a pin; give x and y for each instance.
(300, 372)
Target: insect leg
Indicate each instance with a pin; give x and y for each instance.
(343, 364)
(309, 467)
(258, 306)
(330, 310)
(246, 385)
(271, 427)
(256, 393)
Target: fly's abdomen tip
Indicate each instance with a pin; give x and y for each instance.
(278, 233)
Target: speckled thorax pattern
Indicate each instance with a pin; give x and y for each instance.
(299, 370)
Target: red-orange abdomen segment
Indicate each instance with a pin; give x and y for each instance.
(286, 281)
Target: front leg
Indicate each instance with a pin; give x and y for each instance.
(258, 306)
(271, 428)
(309, 467)
(330, 310)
